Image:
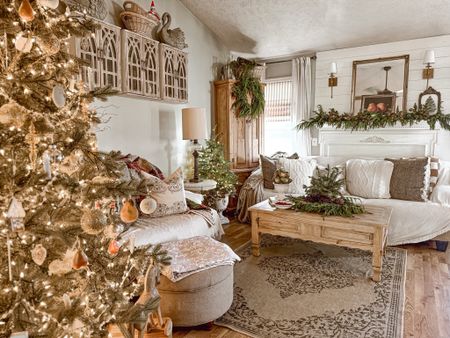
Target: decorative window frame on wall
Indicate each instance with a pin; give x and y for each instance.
(140, 65)
(174, 76)
(102, 51)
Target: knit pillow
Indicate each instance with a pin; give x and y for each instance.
(410, 179)
(369, 178)
(169, 193)
(300, 171)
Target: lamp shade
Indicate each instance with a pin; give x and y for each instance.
(194, 123)
(333, 68)
(429, 57)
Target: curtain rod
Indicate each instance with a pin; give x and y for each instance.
(285, 59)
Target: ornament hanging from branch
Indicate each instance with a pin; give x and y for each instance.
(38, 254)
(129, 213)
(93, 222)
(53, 4)
(148, 205)
(23, 44)
(26, 12)
(32, 140)
(79, 260)
(59, 96)
(16, 215)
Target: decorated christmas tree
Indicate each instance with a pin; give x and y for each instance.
(213, 165)
(64, 271)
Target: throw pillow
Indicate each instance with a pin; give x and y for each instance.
(369, 178)
(434, 172)
(300, 171)
(169, 194)
(410, 179)
(269, 165)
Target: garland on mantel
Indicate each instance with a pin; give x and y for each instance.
(365, 120)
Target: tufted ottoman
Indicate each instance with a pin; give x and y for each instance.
(199, 298)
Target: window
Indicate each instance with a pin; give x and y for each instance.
(279, 134)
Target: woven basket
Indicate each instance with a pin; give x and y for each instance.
(138, 23)
(131, 6)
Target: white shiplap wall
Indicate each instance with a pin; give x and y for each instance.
(415, 49)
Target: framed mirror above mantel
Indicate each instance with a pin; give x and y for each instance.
(380, 85)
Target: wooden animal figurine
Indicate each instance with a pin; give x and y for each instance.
(173, 37)
(149, 309)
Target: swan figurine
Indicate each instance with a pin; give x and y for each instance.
(173, 37)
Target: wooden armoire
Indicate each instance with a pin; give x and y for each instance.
(242, 138)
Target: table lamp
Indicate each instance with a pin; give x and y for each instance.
(194, 129)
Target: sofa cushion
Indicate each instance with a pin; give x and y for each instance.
(369, 178)
(269, 165)
(410, 179)
(300, 171)
(169, 193)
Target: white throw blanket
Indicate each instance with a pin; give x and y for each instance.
(196, 254)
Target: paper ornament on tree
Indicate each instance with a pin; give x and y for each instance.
(26, 11)
(16, 214)
(23, 44)
(38, 254)
(53, 4)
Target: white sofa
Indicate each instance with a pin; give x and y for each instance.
(175, 227)
(411, 222)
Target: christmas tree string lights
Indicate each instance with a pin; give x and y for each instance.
(57, 278)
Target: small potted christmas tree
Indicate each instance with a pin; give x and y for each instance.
(214, 166)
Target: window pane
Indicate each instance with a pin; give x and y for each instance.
(278, 130)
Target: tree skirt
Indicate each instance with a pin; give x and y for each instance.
(303, 289)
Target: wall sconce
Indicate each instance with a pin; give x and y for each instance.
(428, 60)
(332, 80)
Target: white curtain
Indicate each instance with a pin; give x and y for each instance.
(302, 101)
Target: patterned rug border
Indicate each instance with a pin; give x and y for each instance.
(394, 321)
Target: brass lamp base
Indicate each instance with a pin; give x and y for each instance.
(195, 179)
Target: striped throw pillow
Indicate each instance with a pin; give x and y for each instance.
(434, 172)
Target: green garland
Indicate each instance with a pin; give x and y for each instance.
(365, 120)
(348, 208)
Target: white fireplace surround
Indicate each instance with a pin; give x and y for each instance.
(378, 143)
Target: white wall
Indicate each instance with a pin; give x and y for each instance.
(153, 129)
(415, 49)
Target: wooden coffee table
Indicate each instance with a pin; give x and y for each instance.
(366, 231)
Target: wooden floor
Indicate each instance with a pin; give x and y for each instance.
(427, 305)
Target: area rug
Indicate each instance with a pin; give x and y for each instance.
(303, 289)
